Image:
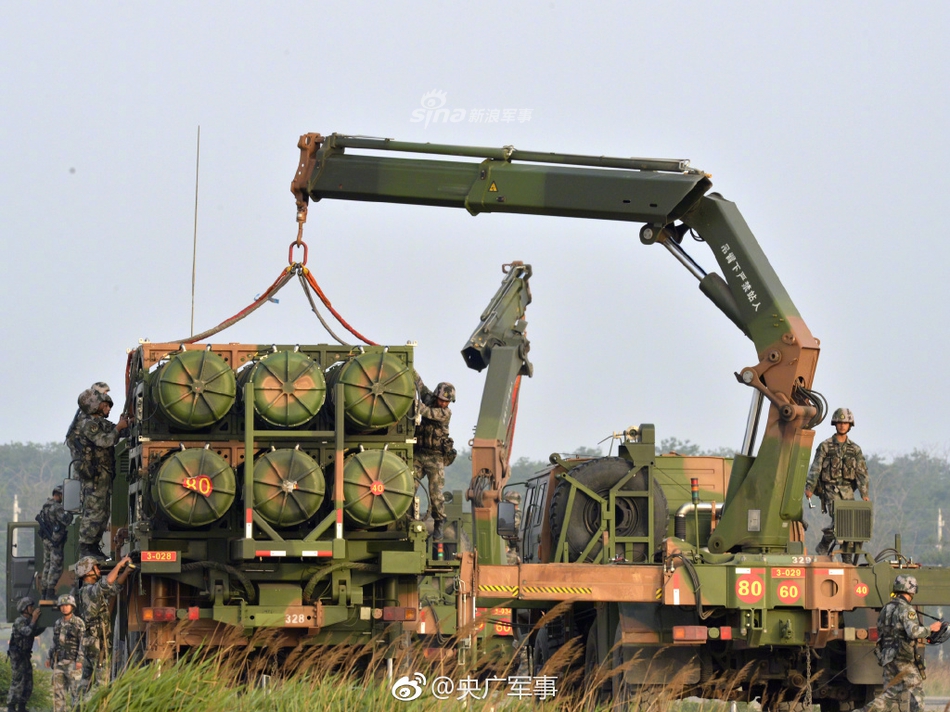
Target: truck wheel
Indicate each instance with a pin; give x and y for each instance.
(542, 650)
(596, 674)
(127, 651)
(128, 647)
(584, 518)
(640, 698)
(550, 637)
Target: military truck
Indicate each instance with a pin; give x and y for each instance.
(270, 487)
(664, 568)
(670, 569)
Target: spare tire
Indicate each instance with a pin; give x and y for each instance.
(631, 513)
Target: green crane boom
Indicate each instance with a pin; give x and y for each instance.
(763, 504)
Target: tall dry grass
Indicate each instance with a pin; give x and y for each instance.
(361, 676)
(354, 677)
(937, 683)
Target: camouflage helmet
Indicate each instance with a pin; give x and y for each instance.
(513, 496)
(67, 599)
(86, 565)
(58, 489)
(843, 415)
(24, 604)
(445, 391)
(100, 387)
(905, 584)
(88, 401)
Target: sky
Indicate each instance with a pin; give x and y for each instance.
(826, 123)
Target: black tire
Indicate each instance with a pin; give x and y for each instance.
(635, 698)
(549, 638)
(128, 650)
(594, 669)
(631, 696)
(542, 650)
(600, 476)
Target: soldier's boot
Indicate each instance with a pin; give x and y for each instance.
(827, 539)
(438, 531)
(92, 550)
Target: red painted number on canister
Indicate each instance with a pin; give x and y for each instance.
(789, 591)
(202, 484)
(749, 588)
(861, 590)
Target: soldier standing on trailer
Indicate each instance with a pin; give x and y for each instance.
(53, 520)
(94, 599)
(898, 630)
(20, 653)
(66, 655)
(839, 469)
(434, 448)
(72, 435)
(97, 439)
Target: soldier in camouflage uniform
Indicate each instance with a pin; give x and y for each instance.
(514, 543)
(20, 653)
(66, 655)
(85, 400)
(839, 469)
(898, 630)
(97, 439)
(53, 521)
(434, 448)
(94, 602)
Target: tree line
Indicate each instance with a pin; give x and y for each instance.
(909, 491)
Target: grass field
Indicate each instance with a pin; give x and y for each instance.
(355, 678)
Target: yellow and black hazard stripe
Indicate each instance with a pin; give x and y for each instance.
(507, 590)
(573, 590)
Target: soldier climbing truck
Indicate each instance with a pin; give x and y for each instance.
(270, 486)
